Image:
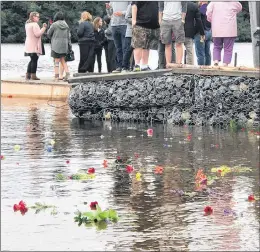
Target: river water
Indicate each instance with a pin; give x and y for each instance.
(14, 64)
(152, 216)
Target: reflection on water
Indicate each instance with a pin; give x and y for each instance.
(151, 216)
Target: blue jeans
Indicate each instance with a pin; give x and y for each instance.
(118, 33)
(203, 49)
(128, 53)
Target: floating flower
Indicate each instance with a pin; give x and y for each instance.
(67, 161)
(93, 205)
(2, 157)
(129, 168)
(105, 163)
(158, 170)
(208, 210)
(138, 176)
(251, 198)
(136, 155)
(17, 147)
(91, 170)
(49, 148)
(189, 137)
(150, 132)
(52, 142)
(20, 207)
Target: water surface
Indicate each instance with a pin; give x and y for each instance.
(151, 216)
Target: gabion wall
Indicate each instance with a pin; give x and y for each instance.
(174, 98)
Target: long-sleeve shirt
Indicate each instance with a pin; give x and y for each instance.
(115, 7)
(128, 17)
(172, 10)
(223, 18)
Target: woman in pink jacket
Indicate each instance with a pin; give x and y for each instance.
(33, 43)
(223, 18)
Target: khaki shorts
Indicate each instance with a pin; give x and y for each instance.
(145, 38)
(172, 26)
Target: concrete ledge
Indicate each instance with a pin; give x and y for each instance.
(176, 69)
(42, 89)
(87, 74)
(119, 76)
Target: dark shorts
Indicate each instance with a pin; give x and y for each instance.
(57, 55)
(145, 38)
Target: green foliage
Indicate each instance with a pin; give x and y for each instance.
(15, 13)
(96, 216)
(41, 207)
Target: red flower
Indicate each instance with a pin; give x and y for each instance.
(189, 137)
(243, 129)
(158, 169)
(16, 207)
(150, 132)
(251, 198)
(129, 168)
(93, 205)
(118, 158)
(2, 157)
(217, 145)
(21, 203)
(67, 161)
(136, 155)
(208, 210)
(91, 170)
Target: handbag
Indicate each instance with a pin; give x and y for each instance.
(70, 56)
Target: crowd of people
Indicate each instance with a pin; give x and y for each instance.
(131, 29)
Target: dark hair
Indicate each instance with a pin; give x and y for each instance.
(58, 16)
(106, 19)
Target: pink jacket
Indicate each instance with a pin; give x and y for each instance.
(33, 42)
(223, 18)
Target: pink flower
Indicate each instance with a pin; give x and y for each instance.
(150, 132)
(67, 161)
(93, 205)
(208, 210)
(129, 168)
(251, 198)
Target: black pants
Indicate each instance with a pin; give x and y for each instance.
(98, 56)
(110, 51)
(128, 53)
(87, 56)
(32, 66)
(161, 53)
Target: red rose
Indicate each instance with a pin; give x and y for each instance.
(91, 170)
(93, 205)
(16, 207)
(67, 161)
(150, 132)
(251, 198)
(208, 210)
(22, 204)
(129, 168)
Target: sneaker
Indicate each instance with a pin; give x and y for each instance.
(124, 70)
(118, 70)
(137, 68)
(146, 69)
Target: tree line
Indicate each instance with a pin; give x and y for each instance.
(15, 13)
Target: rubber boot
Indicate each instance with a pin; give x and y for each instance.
(27, 76)
(34, 77)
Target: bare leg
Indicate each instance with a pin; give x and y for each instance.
(168, 53)
(145, 56)
(179, 52)
(138, 55)
(61, 72)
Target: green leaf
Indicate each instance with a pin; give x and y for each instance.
(98, 209)
(112, 214)
(91, 215)
(104, 215)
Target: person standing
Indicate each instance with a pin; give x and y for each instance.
(99, 41)
(86, 40)
(59, 33)
(223, 18)
(128, 39)
(117, 11)
(109, 46)
(146, 32)
(192, 23)
(33, 44)
(202, 44)
(172, 19)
